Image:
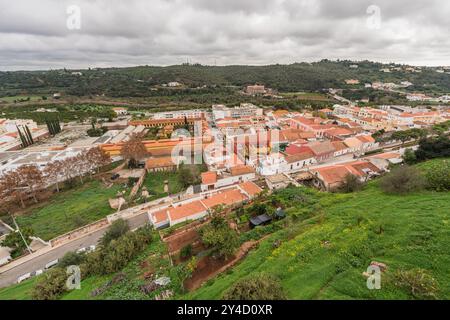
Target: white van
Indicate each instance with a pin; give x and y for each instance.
(23, 277)
(51, 264)
(81, 250)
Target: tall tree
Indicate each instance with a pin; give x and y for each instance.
(134, 150)
(52, 173)
(31, 179)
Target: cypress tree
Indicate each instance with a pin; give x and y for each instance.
(30, 136)
(22, 138)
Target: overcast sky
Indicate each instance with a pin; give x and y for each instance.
(41, 34)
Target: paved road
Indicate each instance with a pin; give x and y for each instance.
(9, 277)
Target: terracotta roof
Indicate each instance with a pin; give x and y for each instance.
(319, 148)
(209, 177)
(366, 139)
(339, 145)
(295, 149)
(338, 132)
(186, 210)
(240, 170)
(333, 174)
(299, 156)
(160, 216)
(225, 198)
(250, 188)
(352, 142)
(307, 135)
(337, 173)
(360, 166)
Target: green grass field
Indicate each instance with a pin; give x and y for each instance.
(70, 209)
(21, 291)
(324, 258)
(154, 181)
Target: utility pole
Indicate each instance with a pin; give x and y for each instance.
(18, 229)
(21, 235)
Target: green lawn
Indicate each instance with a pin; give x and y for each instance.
(70, 209)
(154, 181)
(21, 291)
(324, 258)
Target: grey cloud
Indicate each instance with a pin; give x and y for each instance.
(33, 34)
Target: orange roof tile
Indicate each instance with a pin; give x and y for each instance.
(160, 216)
(209, 177)
(186, 210)
(226, 198)
(366, 139)
(240, 170)
(250, 188)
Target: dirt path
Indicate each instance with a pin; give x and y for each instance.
(208, 267)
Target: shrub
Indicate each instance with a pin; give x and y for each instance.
(438, 176)
(409, 156)
(256, 287)
(117, 229)
(186, 251)
(71, 258)
(418, 283)
(402, 180)
(351, 184)
(51, 285)
(433, 147)
(220, 237)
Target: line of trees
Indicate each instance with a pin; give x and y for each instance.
(25, 137)
(28, 181)
(53, 126)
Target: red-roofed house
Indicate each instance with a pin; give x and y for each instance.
(322, 150)
(250, 189)
(331, 177)
(189, 211)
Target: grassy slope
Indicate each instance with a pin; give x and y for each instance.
(416, 234)
(21, 291)
(70, 209)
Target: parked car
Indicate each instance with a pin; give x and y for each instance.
(81, 250)
(23, 277)
(92, 248)
(51, 264)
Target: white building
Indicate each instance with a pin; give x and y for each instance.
(238, 174)
(277, 163)
(179, 114)
(221, 111)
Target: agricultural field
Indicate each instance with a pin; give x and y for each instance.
(32, 98)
